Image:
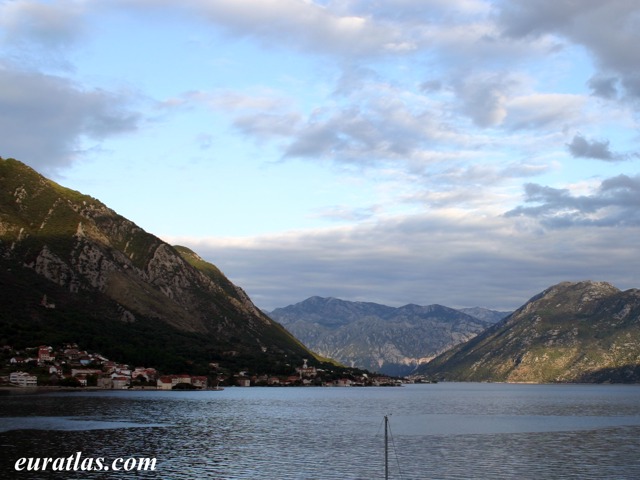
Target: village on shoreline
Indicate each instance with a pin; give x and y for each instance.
(70, 368)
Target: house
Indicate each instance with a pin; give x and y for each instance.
(109, 366)
(140, 373)
(383, 381)
(342, 382)
(105, 381)
(148, 374)
(99, 358)
(305, 370)
(176, 379)
(199, 381)
(243, 382)
(85, 371)
(45, 354)
(123, 370)
(119, 382)
(23, 379)
(164, 383)
(168, 382)
(72, 353)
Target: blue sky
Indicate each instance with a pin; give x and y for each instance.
(461, 152)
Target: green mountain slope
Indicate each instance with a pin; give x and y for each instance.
(571, 332)
(119, 288)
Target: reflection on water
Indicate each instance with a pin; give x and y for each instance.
(63, 423)
(443, 431)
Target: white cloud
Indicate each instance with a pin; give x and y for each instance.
(455, 260)
(55, 24)
(440, 107)
(544, 111)
(615, 203)
(295, 24)
(608, 30)
(484, 96)
(418, 11)
(44, 118)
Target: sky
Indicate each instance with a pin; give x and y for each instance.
(454, 152)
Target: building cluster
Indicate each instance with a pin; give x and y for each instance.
(363, 380)
(70, 366)
(23, 379)
(311, 376)
(173, 382)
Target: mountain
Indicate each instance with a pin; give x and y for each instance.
(377, 337)
(571, 332)
(491, 316)
(118, 289)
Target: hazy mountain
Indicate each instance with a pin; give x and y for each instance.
(491, 316)
(377, 337)
(117, 288)
(571, 332)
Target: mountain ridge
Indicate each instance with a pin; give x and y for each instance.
(583, 331)
(392, 340)
(84, 248)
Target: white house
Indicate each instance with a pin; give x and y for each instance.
(164, 383)
(120, 383)
(168, 382)
(23, 379)
(306, 371)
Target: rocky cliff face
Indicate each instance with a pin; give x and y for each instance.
(571, 332)
(80, 245)
(377, 337)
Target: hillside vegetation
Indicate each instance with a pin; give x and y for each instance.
(572, 332)
(118, 289)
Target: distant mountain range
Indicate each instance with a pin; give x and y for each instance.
(571, 332)
(380, 338)
(491, 316)
(73, 270)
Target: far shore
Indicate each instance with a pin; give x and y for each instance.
(12, 389)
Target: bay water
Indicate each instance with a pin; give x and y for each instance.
(438, 431)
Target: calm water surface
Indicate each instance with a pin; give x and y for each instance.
(441, 431)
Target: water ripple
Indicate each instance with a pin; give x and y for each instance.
(444, 431)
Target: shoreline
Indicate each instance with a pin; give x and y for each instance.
(12, 389)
